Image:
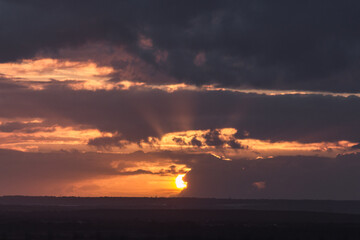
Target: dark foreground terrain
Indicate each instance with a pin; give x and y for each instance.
(159, 218)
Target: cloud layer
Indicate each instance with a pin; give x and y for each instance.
(140, 113)
(285, 177)
(256, 44)
(67, 173)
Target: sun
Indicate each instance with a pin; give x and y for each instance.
(180, 182)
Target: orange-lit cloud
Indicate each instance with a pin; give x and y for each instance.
(86, 75)
(38, 135)
(259, 185)
(46, 137)
(249, 147)
(195, 141)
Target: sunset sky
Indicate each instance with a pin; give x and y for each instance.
(243, 99)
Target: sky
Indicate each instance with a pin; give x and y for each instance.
(249, 99)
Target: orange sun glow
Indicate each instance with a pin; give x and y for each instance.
(180, 182)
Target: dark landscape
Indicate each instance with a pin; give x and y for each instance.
(175, 218)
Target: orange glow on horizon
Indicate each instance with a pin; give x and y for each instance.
(143, 185)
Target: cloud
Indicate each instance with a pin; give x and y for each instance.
(107, 142)
(26, 127)
(196, 142)
(139, 113)
(214, 138)
(200, 59)
(251, 44)
(259, 185)
(357, 146)
(7, 84)
(53, 172)
(31, 173)
(172, 170)
(295, 177)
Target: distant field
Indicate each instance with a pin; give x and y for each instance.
(160, 218)
(351, 207)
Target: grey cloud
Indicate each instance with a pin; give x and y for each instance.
(212, 138)
(235, 145)
(295, 177)
(163, 172)
(196, 142)
(262, 44)
(107, 142)
(357, 146)
(136, 172)
(7, 84)
(28, 127)
(179, 141)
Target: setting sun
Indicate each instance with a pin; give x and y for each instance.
(180, 182)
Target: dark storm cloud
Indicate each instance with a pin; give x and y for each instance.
(283, 45)
(163, 172)
(30, 26)
(295, 177)
(213, 138)
(139, 113)
(311, 45)
(235, 145)
(106, 142)
(195, 142)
